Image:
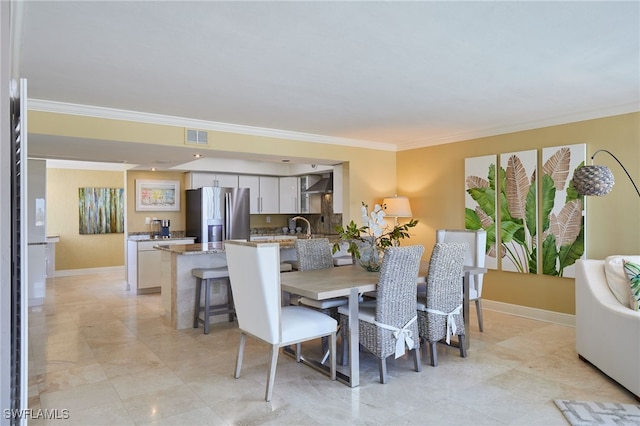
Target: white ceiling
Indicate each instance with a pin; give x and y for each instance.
(396, 75)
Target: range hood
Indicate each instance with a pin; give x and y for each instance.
(322, 186)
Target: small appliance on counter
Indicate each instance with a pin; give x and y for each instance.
(164, 224)
(156, 228)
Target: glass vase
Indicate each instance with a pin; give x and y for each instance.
(371, 257)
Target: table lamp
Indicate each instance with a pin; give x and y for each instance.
(397, 207)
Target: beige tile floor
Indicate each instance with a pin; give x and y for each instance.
(110, 357)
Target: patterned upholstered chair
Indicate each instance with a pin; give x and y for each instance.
(312, 254)
(440, 313)
(315, 253)
(475, 256)
(394, 313)
(257, 297)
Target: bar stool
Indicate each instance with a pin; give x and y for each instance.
(204, 278)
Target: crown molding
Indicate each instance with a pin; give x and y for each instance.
(89, 165)
(167, 120)
(610, 111)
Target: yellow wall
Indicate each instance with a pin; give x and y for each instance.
(433, 179)
(135, 219)
(75, 251)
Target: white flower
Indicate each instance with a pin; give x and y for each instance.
(365, 215)
(374, 221)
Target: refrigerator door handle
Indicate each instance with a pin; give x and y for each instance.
(227, 216)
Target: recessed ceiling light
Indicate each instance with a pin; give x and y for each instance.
(197, 155)
(153, 169)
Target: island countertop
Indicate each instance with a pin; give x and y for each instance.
(210, 248)
(196, 248)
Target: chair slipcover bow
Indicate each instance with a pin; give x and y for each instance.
(451, 323)
(403, 336)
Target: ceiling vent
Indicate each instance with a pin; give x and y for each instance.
(196, 137)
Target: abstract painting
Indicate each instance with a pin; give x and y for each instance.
(480, 201)
(101, 210)
(562, 214)
(157, 195)
(518, 211)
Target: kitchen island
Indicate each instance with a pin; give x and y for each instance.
(179, 286)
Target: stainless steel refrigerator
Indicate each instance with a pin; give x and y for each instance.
(217, 214)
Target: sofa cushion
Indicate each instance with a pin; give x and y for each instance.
(617, 278)
(633, 273)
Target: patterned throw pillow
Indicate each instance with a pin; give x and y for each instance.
(633, 273)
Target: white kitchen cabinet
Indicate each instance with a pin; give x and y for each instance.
(144, 269)
(197, 180)
(289, 195)
(264, 193)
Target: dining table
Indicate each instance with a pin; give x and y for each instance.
(352, 281)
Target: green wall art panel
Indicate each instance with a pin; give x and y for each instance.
(480, 202)
(518, 213)
(562, 210)
(101, 210)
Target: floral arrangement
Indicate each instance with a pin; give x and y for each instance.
(375, 232)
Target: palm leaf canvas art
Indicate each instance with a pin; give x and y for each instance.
(562, 210)
(480, 201)
(518, 212)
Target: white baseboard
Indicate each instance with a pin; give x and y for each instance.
(527, 312)
(89, 271)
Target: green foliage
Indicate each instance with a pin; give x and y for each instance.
(548, 197)
(570, 253)
(554, 259)
(508, 229)
(353, 233)
(533, 261)
(471, 219)
(350, 234)
(485, 197)
(517, 235)
(549, 255)
(531, 215)
(572, 194)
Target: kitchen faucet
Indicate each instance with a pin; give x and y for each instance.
(308, 225)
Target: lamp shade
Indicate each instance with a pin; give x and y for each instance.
(397, 207)
(593, 180)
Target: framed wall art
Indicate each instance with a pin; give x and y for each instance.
(101, 210)
(480, 201)
(519, 211)
(563, 215)
(157, 195)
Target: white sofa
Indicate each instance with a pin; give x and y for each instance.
(607, 332)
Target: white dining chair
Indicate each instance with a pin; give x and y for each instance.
(475, 256)
(254, 272)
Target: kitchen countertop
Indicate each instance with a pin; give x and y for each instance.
(141, 238)
(210, 248)
(197, 248)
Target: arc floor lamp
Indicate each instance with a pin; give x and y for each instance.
(596, 179)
